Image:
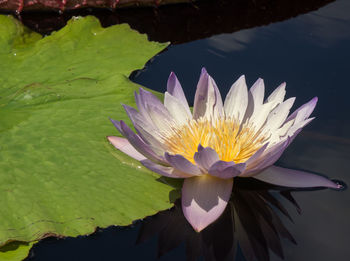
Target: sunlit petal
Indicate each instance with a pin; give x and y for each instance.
(205, 157)
(277, 96)
(207, 101)
(137, 142)
(177, 110)
(204, 199)
(124, 145)
(304, 111)
(174, 88)
(236, 101)
(181, 163)
(164, 170)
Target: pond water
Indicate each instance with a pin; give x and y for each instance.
(311, 52)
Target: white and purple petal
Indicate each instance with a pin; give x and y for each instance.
(137, 142)
(177, 110)
(164, 170)
(181, 163)
(226, 169)
(207, 100)
(204, 198)
(205, 157)
(304, 111)
(147, 131)
(124, 146)
(174, 88)
(294, 178)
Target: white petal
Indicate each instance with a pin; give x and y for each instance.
(279, 115)
(177, 109)
(259, 117)
(236, 101)
(277, 96)
(277, 135)
(258, 92)
(161, 120)
(207, 100)
(298, 126)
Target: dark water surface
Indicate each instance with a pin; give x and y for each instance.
(311, 52)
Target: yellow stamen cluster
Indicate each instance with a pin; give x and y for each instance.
(231, 141)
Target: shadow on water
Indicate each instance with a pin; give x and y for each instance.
(185, 22)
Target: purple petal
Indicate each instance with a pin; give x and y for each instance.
(256, 155)
(294, 178)
(117, 126)
(154, 108)
(182, 164)
(148, 98)
(124, 145)
(269, 157)
(146, 130)
(204, 199)
(205, 157)
(226, 169)
(175, 89)
(141, 107)
(207, 100)
(304, 111)
(164, 170)
(137, 142)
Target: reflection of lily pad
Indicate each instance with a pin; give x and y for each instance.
(58, 174)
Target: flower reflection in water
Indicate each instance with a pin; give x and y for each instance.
(251, 225)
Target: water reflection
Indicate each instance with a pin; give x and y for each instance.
(251, 226)
(198, 20)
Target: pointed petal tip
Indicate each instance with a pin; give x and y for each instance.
(242, 77)
(204, 70)
(172, 78)
(200, 147)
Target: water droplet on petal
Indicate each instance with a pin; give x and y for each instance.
(341, 186)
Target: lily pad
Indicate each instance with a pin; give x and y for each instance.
(15, 251)
(58, 174)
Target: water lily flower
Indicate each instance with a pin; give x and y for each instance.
(240, 137)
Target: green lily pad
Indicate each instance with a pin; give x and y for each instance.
(15, 251)
(58, 174)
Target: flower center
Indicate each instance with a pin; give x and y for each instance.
(231, 141)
